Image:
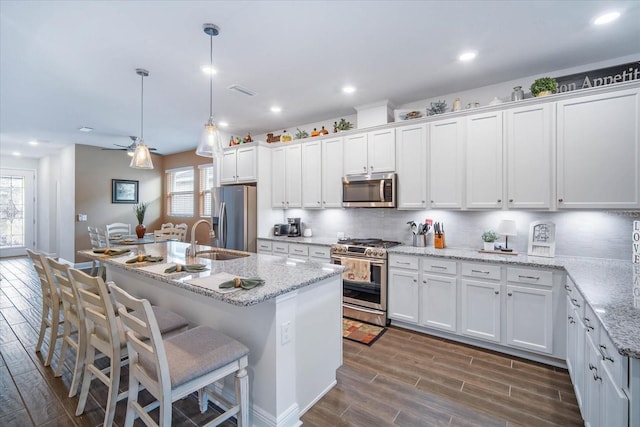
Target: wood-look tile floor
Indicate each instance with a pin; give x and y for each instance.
(403, 379)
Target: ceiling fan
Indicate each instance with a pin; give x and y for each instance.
(131, 147)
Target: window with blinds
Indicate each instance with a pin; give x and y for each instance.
(180, 192)
(206, 185)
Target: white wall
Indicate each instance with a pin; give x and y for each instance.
(66, 203)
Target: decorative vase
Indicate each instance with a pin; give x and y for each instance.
(488, 246)
(140, 230)
(517, 94)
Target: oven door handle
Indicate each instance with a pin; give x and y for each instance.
(372, 261)
(360, 308)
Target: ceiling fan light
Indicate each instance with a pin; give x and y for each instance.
(210, 143)
(141, 157)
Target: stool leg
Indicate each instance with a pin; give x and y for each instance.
(242, 397)
(133, 397)
(80, 357)
(63, 350)
(86, 380)
(112, 400)
(55, 324)
(43, 325)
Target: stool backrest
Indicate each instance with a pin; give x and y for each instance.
(118, 228)
(166, 225)
(47, 283)
(67, 293)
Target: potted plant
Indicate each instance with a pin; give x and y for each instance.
(140, 209)
(343, 125)
(544, 86)
(489, 237)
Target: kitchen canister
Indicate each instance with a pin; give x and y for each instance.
(517, 94)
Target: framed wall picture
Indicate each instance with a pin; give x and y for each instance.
(124, 191)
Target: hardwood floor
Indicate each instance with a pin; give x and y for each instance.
(403, 379)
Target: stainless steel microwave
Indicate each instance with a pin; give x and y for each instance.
(377, 190)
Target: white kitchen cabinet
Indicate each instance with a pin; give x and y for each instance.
(319, 253)
(446, 163)
(576, 341)
(403, 303)
(598, 151)
(484, 160)
(265, 247)
(239, 165)
(332, 172)
(480, 310)
(411, 161)
(530, 145)
(438, 299)
(370, 152)
(312, 177)
(530, 318)
(286, 177)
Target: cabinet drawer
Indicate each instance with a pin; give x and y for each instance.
(320, 252)
(612, 361)
(264, 245)
(439, 266)
(528, 276)
(300, 250)
(401, 261)
(482, 271)
(577, 301)
(281, 248)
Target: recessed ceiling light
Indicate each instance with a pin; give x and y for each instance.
(276, 109)
(606, 18)
(209, 70)
(16, 153)
(467, 56)
(34, 142)
(348, 89)
(85, 129)
(223, 124)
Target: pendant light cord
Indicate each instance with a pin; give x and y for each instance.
(142, 107)
(211, 78)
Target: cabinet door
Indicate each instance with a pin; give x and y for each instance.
(332, 172)
(411, 159)
(484, 160)
(599, 151)
(572, 336)
(278, 178)
(312, 174)
(614, 404)
(593, 382)
(480, 307)
(381, 150)
(293, 176)
(438, 302)
(246, 164)
(580, 361)
(228, 169)
(529, 145)
(403, 295)
(446, 161)
(355, 154)
(530, 318)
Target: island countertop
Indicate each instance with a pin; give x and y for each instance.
(281, 275)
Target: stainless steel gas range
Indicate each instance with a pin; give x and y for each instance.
(365, 278)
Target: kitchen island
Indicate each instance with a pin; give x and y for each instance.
(291, 324)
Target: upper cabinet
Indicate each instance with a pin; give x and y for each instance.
(312, 176)
(446, 163)
(484, 160)
(529, 141)
(599, 151)
(286, 178)
(370, 152)
(332, 171)
(239, 165)
(411, 162)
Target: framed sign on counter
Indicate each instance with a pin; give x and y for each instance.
(124, 191)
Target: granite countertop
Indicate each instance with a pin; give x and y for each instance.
(281, 275)
(606, 284)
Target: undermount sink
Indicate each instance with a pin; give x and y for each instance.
(221, 255)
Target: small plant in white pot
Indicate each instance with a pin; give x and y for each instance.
(489, 237)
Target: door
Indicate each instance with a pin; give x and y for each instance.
(312, 176)
(278, 178)
(246, 164)
(480, 307)
(403, 295)
(446, 161)
(235, 224)
(438, 299)
(381, 150)
(293, 184)
(530, 318)
(355, 154)
(228, 170)
(412, 172)
(484, 160)
(17, 211)
(332, 170)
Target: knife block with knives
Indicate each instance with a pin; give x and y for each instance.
(438, 236)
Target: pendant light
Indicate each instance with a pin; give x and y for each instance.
(210, 144)
(141, 156)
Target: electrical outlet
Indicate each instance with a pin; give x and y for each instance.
(285, 332)
(82, 217)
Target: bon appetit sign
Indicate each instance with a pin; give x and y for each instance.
(602, 77)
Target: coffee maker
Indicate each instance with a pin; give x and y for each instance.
(294, 227)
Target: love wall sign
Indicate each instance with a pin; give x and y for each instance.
(635, 242)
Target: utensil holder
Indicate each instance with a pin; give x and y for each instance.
(438, 241)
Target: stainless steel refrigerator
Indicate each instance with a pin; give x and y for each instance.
(235, 217)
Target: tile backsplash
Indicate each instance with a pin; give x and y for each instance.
(598, 234)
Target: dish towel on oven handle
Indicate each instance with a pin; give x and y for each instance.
(356, 270)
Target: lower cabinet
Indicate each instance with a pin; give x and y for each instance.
(297, 251)
(530, 318)
(480, 310)
(403, 298)
(438, 298)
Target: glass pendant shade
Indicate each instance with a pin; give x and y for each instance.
(141, 157)
(210, 144)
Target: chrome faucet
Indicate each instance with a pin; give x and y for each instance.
(191, 250)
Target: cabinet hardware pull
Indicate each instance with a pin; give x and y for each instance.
(432, 201)
(571, 321)
(415, 280)
(596, 377)
(591, 367)
(605, 354)
(568, 288)
(575, 302)
(499, 200)
(439, 266)
(528, 277)
(364, 168)
(424, 281)
(496, 292)
(561, 200)
(318, 253)
(480, 271)
(403, 263)
(510, 200)
(510, 294)
(587, 324)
